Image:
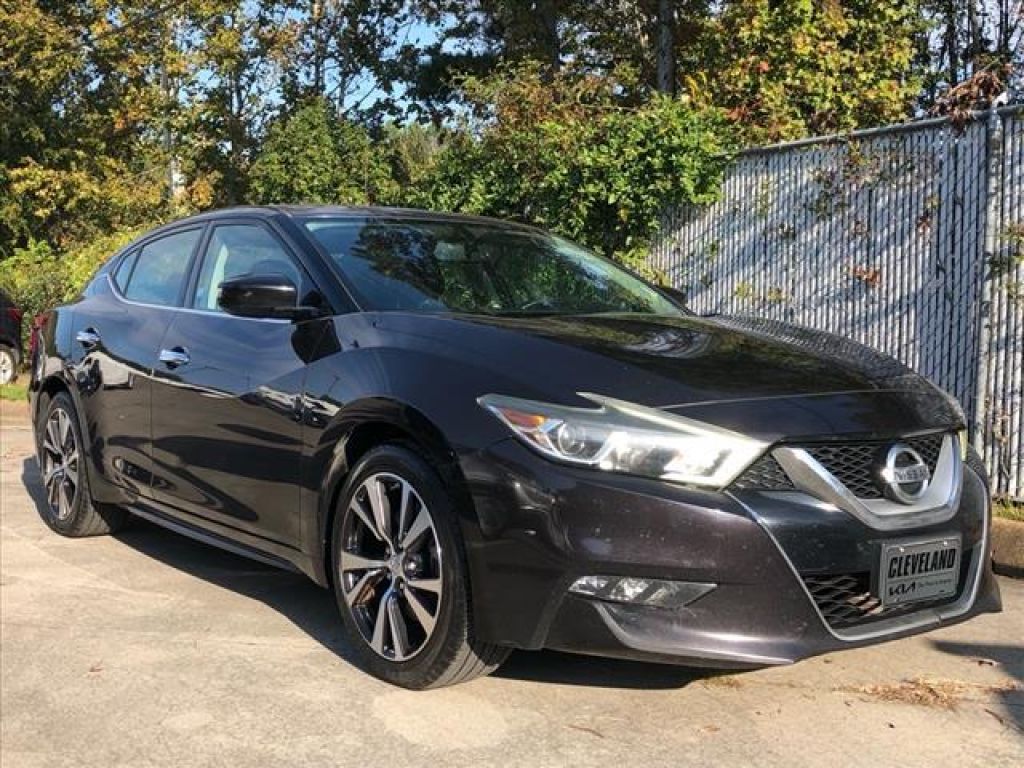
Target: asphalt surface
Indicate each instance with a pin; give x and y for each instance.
(148, 649)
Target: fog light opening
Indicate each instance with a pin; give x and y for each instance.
(633, 590)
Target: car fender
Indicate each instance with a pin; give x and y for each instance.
(331, 460)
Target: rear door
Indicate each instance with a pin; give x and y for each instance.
(117, 329)
(227, 400)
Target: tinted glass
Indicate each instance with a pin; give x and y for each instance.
(161, 267)
(124, 270)
(242, 249)
(438, 266)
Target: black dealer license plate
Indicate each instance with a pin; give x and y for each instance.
(919, 570)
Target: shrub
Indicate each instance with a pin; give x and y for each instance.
(569, 156)
(38, 278)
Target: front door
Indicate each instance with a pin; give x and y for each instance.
(227, 440)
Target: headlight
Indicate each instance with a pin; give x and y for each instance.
(623, 437)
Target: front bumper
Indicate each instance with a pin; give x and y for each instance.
(540, 526)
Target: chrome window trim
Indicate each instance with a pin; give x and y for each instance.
(195, 259)
(172, 308)
(908, 622)
(138, 246)
(938, 505)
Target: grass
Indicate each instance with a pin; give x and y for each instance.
(1009, 510)
(14, 392)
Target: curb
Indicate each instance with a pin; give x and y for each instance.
(1008, 547)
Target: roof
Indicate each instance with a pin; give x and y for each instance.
(324, 211)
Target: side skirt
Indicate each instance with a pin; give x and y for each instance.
(287, 560)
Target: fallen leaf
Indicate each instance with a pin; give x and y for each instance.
(942, 694)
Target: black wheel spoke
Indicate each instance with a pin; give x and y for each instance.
(426, 619)
(399, 631)
(380, 625)
(381, 507)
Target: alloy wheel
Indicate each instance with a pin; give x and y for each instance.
(390, 566)
(60, 464)
(6, 367)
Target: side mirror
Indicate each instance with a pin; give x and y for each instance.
(263, 296)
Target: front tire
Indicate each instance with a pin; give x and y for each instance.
(68, 506)
(400, 578)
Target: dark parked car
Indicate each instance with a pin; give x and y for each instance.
(10, 339)
(483, 437)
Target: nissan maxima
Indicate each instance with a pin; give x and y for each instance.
(483, 437)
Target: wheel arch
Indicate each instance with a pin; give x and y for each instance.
(356, 429)
(47, 389)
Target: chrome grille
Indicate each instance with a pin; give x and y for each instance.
(852, 463)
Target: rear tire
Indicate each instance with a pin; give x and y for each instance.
(400, 576)
(68, 507)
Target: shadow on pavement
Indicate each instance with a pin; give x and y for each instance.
(1009, 657)
(573, 669)
(312, 609)
(309, 607)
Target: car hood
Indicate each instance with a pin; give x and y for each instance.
(706, 367)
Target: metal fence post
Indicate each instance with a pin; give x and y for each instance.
(993, 197)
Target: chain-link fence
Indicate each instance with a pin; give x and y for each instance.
(909, 239)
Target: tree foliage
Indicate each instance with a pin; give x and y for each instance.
(806, 67)
(310, 156)
(586, 116)
(76, 103)
(566, 154)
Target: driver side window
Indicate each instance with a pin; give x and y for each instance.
(243, 249)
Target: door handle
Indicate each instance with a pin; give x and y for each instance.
(88, 338)
(174, 357)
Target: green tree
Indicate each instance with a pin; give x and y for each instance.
(566, 154)
(792, 69)
(311, 156)
(234, 50)
(411, 152)
(78, 153)
(352, 53)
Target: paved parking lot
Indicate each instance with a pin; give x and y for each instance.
(149, 649)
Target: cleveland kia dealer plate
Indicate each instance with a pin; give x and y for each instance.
(919, 570)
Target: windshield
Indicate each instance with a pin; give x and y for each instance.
(479, 268)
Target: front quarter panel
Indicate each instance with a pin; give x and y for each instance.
(415, 386)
